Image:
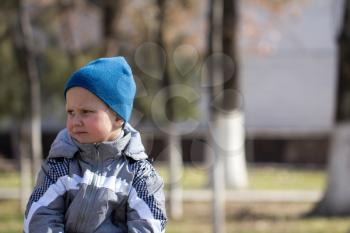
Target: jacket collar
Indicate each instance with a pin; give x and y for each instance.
(130, 144)
(104, 150)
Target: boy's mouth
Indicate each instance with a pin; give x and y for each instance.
(80, 132)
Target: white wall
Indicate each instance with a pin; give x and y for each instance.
(288, 66)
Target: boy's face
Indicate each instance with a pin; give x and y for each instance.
(89, 120)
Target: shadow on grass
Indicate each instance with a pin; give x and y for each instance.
(247, 214)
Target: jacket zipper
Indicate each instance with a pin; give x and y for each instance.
(89, 191)
(94, 183)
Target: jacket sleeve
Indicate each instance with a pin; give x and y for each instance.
(46, 206)
(146, 203)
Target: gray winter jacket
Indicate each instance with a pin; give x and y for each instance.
(102, 188)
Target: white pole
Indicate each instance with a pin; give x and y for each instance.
(25, 166)
(232, 136)
(218, 191)
(218, 180)
(175, 172)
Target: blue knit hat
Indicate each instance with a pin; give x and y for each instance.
(111, 80)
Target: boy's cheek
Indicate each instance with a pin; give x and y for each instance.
(68, 124)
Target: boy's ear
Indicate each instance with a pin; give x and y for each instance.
(119, 121)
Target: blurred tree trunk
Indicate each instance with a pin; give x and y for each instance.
(25, 165)
(172, 140)
(30, 127)
(336, 199)
(32, 74)
(229, 43)
(66, 13)
(112, 10)
(215, 46)
(230, 119)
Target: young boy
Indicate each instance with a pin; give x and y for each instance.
(97, 177)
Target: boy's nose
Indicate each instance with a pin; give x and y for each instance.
(77, 121)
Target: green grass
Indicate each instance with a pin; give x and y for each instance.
(9, 179)
(260, 177)
(279, 178)
(258, 218)
(11, 217)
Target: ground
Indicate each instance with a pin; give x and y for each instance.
(241, 218)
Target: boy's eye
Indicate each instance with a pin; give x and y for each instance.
(86, 111)
(70, 113)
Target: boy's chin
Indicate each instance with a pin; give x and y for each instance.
(83, 139)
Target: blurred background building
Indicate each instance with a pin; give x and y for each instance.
(288, 79)
(287, 75)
